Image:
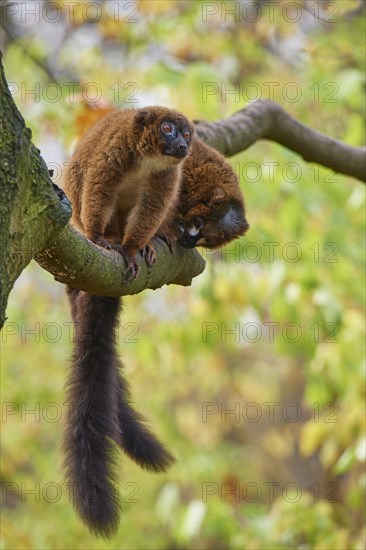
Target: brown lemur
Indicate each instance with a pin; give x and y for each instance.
(210, 210)
(127, 182)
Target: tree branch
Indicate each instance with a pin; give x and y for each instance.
(267, 120)
(76, 261)
(30, 212)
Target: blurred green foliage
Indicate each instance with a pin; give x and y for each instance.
(254, 376)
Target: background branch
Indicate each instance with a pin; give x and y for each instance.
(267, 120)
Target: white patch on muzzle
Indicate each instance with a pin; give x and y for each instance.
(193, 231)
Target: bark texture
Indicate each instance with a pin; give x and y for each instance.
(30, 212)
(75, 260)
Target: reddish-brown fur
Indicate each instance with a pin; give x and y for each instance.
(210, 189)
(121, 185)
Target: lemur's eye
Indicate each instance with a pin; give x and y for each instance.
(187, 135)
(197, 222)
(167, 128)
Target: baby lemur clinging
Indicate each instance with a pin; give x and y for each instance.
(127, 182)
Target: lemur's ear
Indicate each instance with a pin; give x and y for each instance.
(218, 195)
(142, 118)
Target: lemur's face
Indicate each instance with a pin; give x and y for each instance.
(210, 211)
(162, 131)
(211, 225)
(176, 138)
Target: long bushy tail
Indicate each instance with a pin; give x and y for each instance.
(90, 460)
(100, 415)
